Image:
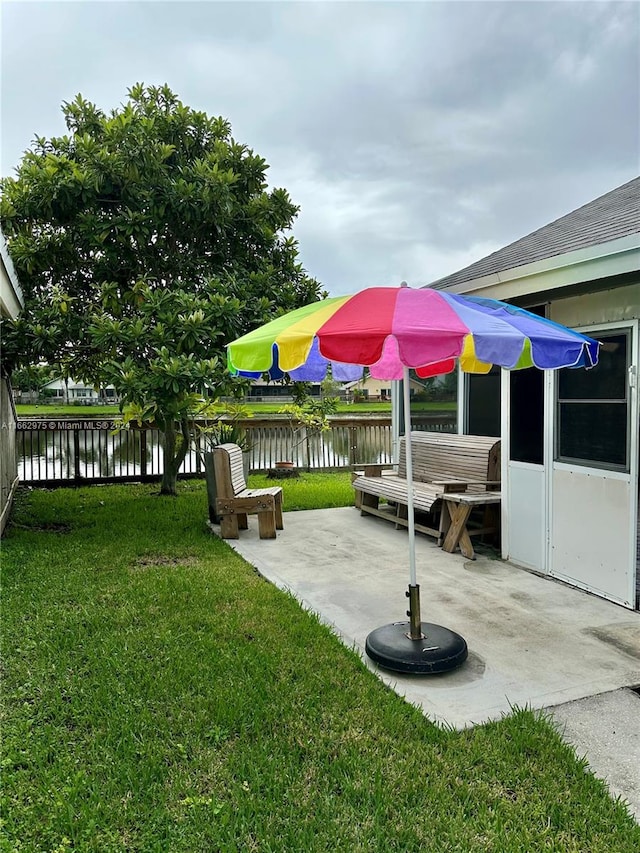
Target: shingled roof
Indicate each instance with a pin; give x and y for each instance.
(614, 214)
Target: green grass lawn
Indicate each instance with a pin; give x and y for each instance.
(26, 410)
(159, 695)
(258, 409)
(310, 491)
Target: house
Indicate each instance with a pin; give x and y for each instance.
(377, 389)
(76, 392)
(569, 438)
(262, 391)
(11, 303)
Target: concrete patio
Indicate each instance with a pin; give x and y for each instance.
(532, 641)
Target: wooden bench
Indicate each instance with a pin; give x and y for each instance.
(467, 466)
(235, 501)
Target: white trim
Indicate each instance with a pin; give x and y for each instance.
(6, 510)
(583, 265)
(396, 402)
(590, 470)
(463, 386)
(525, 466)
(548, 452)
(11, 301)
(505, 452)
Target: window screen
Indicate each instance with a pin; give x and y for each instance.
(526, 416)
(593, 408)
(483, 403)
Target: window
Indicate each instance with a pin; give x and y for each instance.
(526, 410)
(593, 408)
(483, 403)
(526, 415)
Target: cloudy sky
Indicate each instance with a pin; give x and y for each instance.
(416, 137)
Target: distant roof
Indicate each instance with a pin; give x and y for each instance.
(611, 216)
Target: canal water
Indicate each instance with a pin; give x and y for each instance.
(93, 451)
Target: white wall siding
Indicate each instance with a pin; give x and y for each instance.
(607, 306)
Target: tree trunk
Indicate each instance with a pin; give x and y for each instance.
(174, 453)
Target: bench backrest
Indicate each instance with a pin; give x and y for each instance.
(227, 462)
(444, 456)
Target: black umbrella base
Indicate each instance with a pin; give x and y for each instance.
(440, 650)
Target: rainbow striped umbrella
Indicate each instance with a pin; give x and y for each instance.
(390, 330)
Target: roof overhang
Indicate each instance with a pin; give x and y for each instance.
(593, 264)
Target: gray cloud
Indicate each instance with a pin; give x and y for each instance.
(416, 136)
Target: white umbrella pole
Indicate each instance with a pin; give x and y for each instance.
(414, 589)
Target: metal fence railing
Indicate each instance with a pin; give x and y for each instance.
(81, 451)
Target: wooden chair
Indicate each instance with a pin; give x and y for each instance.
(235, 501)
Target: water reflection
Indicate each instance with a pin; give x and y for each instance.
(87, 454)
(360, 445)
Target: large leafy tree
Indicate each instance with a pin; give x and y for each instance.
(145, 240)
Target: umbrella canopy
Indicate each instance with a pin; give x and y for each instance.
(388, 329)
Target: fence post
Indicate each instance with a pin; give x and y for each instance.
(198, 449)
(143, 452)
(353, 445)
(76, 454)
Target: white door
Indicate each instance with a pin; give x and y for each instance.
(524, 502)
(594, 473)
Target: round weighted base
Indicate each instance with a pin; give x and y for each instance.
(440, 650)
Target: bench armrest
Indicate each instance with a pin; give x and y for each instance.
(373, 470)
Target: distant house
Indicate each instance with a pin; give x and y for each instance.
(570, 439)
(75, 392)
(377, 389)
(11, 303)
(262, 391)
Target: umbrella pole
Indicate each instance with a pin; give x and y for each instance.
(413, 594)
(425, 648)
